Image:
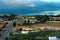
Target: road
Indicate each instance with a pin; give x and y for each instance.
(7, 32)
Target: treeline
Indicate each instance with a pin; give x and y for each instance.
(41, 35)
(57, 15)
(9, 17)
(42, 18)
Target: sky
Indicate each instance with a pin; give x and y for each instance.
(14, 2)
(32, 6)
(25, 1)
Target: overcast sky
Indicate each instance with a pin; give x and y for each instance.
(14, 4)
(28, 3)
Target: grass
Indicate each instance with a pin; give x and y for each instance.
(1, 25)
(41, 35)
(53, 24)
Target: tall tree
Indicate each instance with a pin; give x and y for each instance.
(5, 16)
(12, 16)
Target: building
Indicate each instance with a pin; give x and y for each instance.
(24, 32)
(55, 18)
(54, 38)
(1, 20)
(32, 21)
(20, 20)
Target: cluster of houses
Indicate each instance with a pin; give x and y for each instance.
(21, 20)
(54, 18)
(52, 28)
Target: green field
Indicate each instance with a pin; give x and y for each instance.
(41, 35)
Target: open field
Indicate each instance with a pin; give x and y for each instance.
(53, 23)
(1, 26)
(49, 24)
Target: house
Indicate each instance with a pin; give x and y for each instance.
(20, 21)
(23, 32)
(32, 21)
(55, 18)
(1, 21)
(54, 38)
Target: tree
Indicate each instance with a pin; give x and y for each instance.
(6, 38)
(38, 17)
(11, 34)
(14, 24)
(29, 23)
(12, 16)
(20, 29)
(41, 18)
(47, 17)
(4, 25)
(5, 16)
(24, 23)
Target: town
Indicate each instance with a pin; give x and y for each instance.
(29, 27)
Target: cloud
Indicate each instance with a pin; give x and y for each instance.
(25, 1)
(31, 5)
(18, 1)
(15, 1)
(46, 0)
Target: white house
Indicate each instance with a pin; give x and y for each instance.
(24, 32)
(1, 21)
(54, 38)
(32, 21)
